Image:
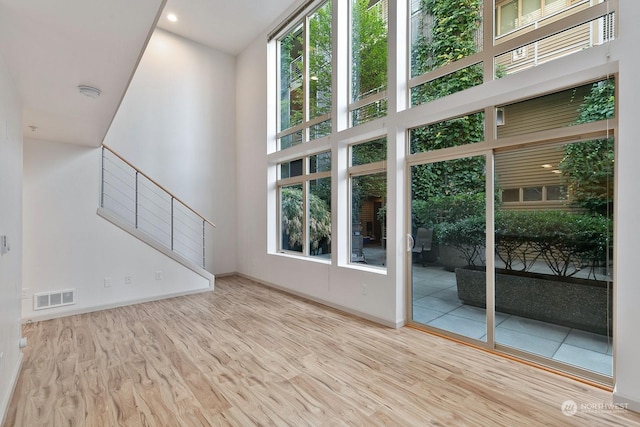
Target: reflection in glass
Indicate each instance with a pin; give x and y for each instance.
(448, 229)
(447, 85)
(368, 219)
(320, 53)
(583, 104)
(568, 42)
(291, 78)
(291, 140)
(449, 133)
(320, 162)
(291, 218)
(320, 217)
(438, 38)
(369, 46)
(554, 252)
(290, 169)
(369, 152)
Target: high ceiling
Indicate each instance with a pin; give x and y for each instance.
(225, 25)
(52, 47)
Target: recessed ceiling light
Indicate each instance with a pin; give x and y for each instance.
(171, 17)
(90, 91)
(547, 166)
(556, 171)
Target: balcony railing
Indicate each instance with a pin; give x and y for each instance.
(145, 205)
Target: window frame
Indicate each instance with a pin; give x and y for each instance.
(303, 180)
(355, 171)
(302, 20)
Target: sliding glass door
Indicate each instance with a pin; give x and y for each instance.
(448, 235)
(550, 287)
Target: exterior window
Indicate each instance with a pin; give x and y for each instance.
(532, 194)
(514, 14)
(554, 192)
(305, 206)
(516, 18)
(557, 110)
(449, 133)
(368, 60)
(305, 80)
(511, 195)
(368, 180)
(438, 40)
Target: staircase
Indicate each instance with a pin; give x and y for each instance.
(139, 205)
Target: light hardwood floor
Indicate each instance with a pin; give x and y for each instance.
(248, 355)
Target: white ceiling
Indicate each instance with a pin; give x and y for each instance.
(51, 47)
(226, 25)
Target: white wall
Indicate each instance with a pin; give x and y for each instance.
(177, 125)
(337, 286)
(627, 297)
(10, 226)
(68, 246)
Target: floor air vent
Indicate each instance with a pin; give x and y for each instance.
(53, 299)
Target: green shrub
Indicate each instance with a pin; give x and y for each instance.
(467, 235)
(565, 241)
(292, 220)
(450, 209)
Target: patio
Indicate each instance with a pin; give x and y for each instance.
(436, 304)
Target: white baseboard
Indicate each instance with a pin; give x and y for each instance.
(626, 402)
(357, 313)
(4, 405)
(91, 309)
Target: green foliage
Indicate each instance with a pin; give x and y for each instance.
(369, 49)
(449, 133)
(565, 241)
(320, 54)
(369, 152)
(467, 235)
(588, 167)
(447, 33)
(292, 219)
(446, 209)
(448, 178)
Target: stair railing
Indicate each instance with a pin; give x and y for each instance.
(147, 206)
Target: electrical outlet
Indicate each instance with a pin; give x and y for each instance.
(128, 280)
(25, 293)
(159, 275)
(108, 282)
(364, 288)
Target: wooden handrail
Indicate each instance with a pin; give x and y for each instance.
(159, 186)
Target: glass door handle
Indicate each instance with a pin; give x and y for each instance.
(410, 242)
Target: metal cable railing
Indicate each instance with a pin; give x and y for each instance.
(145, 205)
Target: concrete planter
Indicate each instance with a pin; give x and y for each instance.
(450, 257)
(572, 302)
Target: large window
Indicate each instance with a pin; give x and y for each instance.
(369, 202)
(495, 148)
(518, 19)
(512, 14)
(369, 45)
(305, 80)
(439, 39)
(305, 206)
